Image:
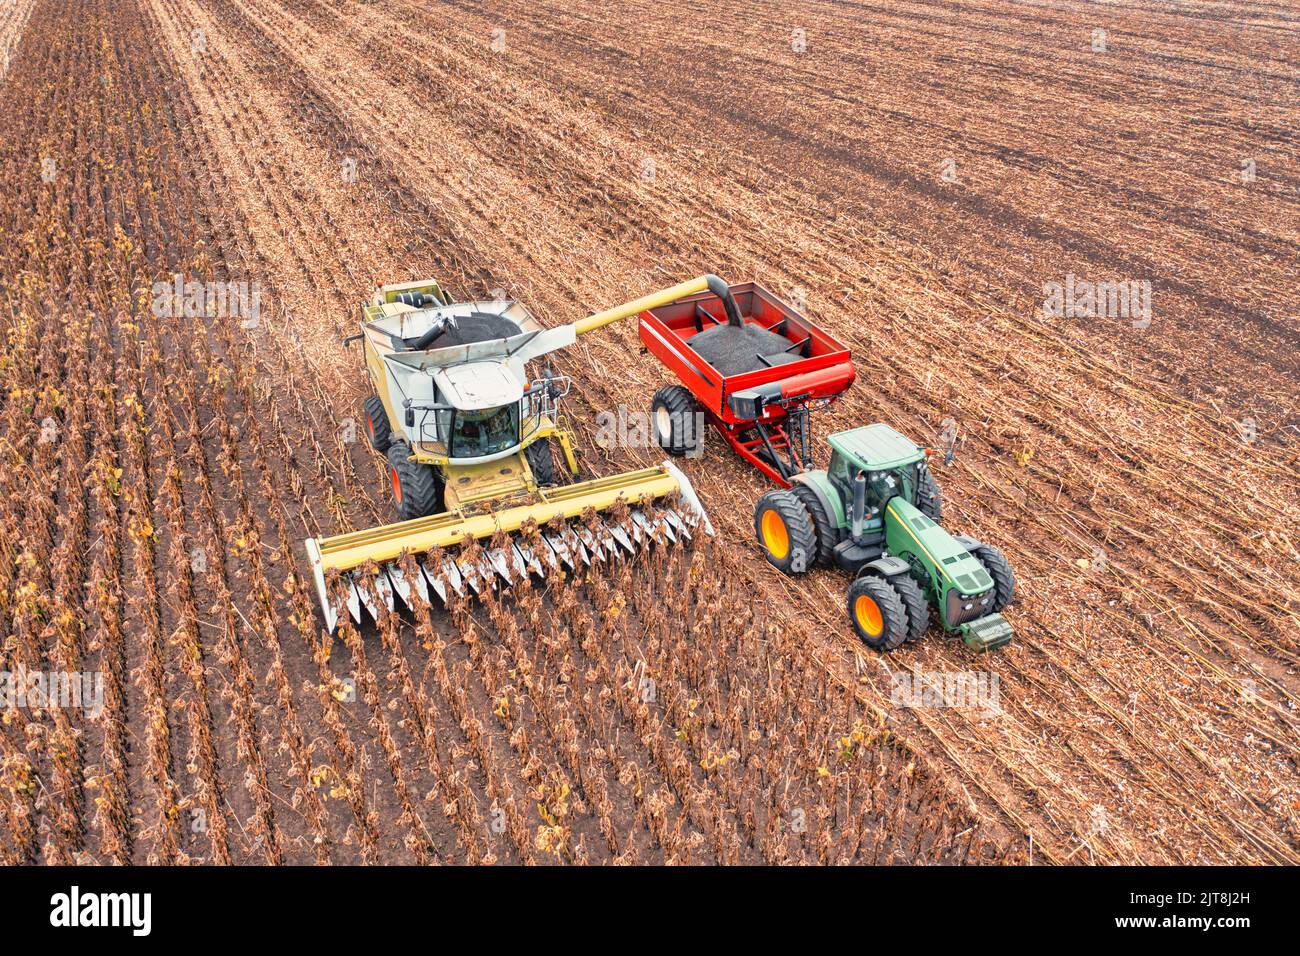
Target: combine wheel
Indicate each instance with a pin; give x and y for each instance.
(928, 498)
(1004, 580)
(821, 521)
(914, 603)
(376, 420)
(877, 613)
(417, 490)
(786, 532)
(541, 461)
(676, 425)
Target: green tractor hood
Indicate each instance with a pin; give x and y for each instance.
(960, 589)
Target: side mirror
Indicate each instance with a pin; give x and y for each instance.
(410, 418)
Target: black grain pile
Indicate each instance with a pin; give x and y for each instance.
(475, 327)
(733, 351)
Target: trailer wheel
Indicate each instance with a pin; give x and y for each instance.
(1004, 579)
(914, 603)
(377, 427)
(674, 415)
(417, 489)
(541, 460)
(929, 499)
(822, 526)
(877, 613)
(786, 532)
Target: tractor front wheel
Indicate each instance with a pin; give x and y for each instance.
(914, 603)
(674, 416)
(1004, 579)
(417, 490)
(377, 428)
(877, 613)
(786, 532)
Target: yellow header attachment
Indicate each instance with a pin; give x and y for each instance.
(384, 545)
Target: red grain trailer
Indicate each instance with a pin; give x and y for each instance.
(752, 365)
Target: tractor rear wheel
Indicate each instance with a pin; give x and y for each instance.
(541, 460)
(417, 489)
(786, 532)
(822, 525)
(914, 603)
(877, 613)
(1004, 579)
(928, 498)
(673, 415)
(377, 428)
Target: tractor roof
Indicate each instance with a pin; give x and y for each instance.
(876, 447)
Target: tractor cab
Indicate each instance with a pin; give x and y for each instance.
(888, 464)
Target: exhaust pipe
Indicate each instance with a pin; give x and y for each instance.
(859, 505)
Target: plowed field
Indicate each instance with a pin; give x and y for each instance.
(914, 173)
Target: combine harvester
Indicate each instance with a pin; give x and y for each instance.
(470, 440)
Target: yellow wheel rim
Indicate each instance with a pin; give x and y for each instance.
(867, 612)
(775, 538)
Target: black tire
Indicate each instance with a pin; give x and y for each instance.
(417, 489)
(785, 531)
(673, 417)
(376, 421)
(541, 460)
(877, 613)
(929, 499)
(1004, 579)
(823, 527)
(915, 604)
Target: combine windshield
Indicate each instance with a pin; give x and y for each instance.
(484, 432)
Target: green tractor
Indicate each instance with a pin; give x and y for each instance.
(876, 512)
